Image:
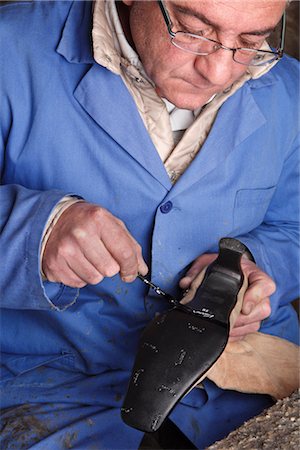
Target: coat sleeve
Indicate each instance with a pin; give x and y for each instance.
(275, 243)
(23, 216)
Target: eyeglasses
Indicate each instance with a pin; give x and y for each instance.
(199, 45)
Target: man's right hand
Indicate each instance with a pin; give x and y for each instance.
(87, 244)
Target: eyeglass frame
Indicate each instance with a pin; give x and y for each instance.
(278, 54)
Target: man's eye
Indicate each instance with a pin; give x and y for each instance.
(198, 28)
(255, 45)
(247, 45)
(195, 32)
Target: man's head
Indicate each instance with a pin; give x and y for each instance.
(186, 79)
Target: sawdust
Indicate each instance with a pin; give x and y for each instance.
(276, 428)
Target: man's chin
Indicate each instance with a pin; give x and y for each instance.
(187, 99)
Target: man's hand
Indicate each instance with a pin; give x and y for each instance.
(87, 244)
(256, 303)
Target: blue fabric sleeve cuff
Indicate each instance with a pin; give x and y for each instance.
(57, 295)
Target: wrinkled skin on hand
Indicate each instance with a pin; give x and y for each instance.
(87, 244)
(256, 302)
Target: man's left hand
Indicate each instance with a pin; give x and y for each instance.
(256, 302)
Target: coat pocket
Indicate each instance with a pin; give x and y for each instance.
(16, 365)
(250, 207)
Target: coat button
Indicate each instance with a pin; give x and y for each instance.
(166, 207)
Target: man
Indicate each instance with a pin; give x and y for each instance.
(101, 181)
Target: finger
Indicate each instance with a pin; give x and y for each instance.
(197, 266)
(72, 253)
(97, 262)
(63, 274)
(130, 269)
(244, 330)
(235, 338)
(108, 256)
(260, 312)
(124, 249)
(133, 264)
(126, 256)
(260, 285)
(84, 270)
(254, 295)
(142, 266)
(70, 265)
(101, 259)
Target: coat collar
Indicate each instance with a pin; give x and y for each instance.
(75, 44)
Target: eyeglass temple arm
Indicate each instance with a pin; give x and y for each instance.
(166, 16)
(282, 38)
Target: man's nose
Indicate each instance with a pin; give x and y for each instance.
(217, 67)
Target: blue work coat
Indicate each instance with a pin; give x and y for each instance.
(69, 126)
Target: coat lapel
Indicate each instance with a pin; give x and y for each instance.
(106, 99)
(104, 96)
(237, 119)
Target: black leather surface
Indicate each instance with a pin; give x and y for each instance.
(178, 347)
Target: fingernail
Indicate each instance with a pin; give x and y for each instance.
(128, 278)
(183, 284)
(186, 280)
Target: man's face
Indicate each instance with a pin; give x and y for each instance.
(188, 80)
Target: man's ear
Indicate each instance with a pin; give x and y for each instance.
(128, 2)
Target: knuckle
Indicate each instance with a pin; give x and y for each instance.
(97, 213)
(66, 250)
(110, 271)
(79, 233)
(102, 216)
(127, 254)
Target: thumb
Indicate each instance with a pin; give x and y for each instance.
(197, 266)
(260, 286)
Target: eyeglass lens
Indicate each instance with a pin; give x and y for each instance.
(198, 46)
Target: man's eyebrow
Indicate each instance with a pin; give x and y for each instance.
(263, 32)
(204, 19)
